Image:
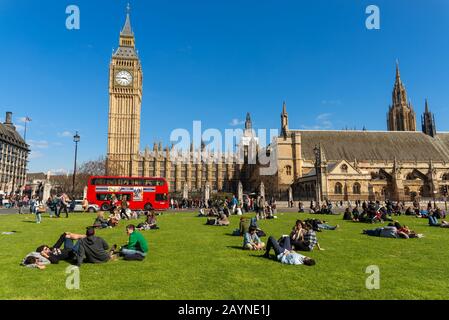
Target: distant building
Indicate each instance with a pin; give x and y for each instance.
(398, 164)
(13, 157)
(124, 157)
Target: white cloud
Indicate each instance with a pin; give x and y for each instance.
(323, 122)
(20, 128)
(331, 102)
(236, 122)
(59, 171)
(65, 134)
(35, 154)
(42, 144)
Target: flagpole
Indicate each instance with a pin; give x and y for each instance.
(25, 133)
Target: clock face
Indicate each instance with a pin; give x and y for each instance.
(124, 78)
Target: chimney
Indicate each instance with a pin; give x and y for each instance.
(8, 118)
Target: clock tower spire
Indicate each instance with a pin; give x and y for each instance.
(125, 99)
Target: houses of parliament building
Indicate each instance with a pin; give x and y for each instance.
(403, 163)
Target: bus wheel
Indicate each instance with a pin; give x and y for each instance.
(105, 207)
(148, 207)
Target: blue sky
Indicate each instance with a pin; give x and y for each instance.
(215, 60)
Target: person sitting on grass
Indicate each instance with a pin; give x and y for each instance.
(347, 216)
(137, 247)
(202, 213)
(150, 222)
(285, 254)
(114, 219)
(100, 222)
(298, 231)
(93, 249)
(251, 241)
(356, 214)
(385, 232)
(223, 220)
(244, 225)
(309, 241)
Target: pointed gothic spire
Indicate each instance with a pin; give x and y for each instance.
(284, 120)
(428, 122)
(127, 30)
(248, 122)
(398, 72)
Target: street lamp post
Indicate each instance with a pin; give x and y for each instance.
(76, 139)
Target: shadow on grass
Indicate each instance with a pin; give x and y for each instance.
(271, 258)
(235, 247)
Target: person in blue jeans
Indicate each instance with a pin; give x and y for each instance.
(285, 254)
(56, 254)
(433, 222)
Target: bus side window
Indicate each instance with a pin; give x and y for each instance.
(161, 197)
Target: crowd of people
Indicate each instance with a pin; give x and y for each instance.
(78, 249)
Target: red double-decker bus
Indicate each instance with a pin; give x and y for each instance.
(141, 193)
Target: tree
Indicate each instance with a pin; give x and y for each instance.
(64, 183)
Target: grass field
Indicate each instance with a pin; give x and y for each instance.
(189, 260)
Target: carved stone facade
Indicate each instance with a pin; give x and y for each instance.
(13, 157)
(399, 164)
(401, 116)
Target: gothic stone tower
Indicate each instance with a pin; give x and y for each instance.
(428, 122)
(125, 98)
(401, 116)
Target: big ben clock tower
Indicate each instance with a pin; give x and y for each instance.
(125, 99)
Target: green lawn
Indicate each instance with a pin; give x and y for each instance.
(189, 260)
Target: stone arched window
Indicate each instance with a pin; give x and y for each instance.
(445, 177)
(410, 176)
(407, 191)
(338, 188)
(356, 188)
(344, 168)
(288, 170)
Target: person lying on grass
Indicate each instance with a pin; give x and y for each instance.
(137, 247)
(285, 254)
(251, 241)
(88, 248)
(35, 260)
(389, 231)
(150, 222)
(393, 230)
(308, 241)
(405, 232)
(319, 225)
(433, 221)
